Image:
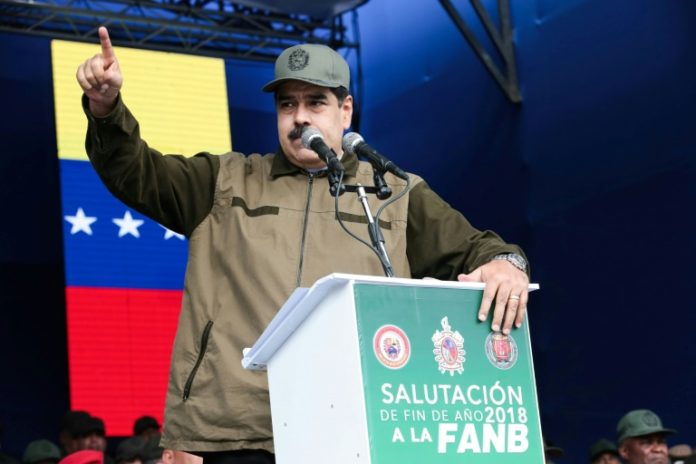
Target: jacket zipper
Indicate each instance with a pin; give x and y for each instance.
(201, 353)
(304, 228)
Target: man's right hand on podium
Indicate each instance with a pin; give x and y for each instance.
(507, 288)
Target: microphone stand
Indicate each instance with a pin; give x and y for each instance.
(382, 191)
(336, 185)
(375, 233)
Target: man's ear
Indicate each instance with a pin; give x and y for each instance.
(623, 451)
(347, 111)
(168, 456)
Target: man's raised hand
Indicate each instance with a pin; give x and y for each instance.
(100, 77)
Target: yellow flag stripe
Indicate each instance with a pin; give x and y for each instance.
(179, 100)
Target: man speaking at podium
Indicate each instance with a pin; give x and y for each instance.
(261, 225)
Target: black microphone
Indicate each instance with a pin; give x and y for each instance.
(313, 139)
(354, 143)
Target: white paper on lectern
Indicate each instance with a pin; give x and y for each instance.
(303, 300)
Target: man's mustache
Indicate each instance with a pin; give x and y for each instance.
(296, 133)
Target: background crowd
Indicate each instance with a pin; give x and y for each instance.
(82, 439)
(640, 438)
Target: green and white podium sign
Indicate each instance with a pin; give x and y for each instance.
(374, 370)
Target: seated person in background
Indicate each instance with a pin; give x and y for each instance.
(81, 431)
(678, 454)
(604, 452)
(83, 457)
(552, 452)
(67, 424)
(131, 451)
(155, 454)
(170, 456)
(642, 439)
(41, 452)
(146, 427)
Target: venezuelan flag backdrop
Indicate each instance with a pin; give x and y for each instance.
(125, 272)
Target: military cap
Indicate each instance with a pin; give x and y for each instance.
(602, 446)
(316, 64)
(41, 450)
(638, 423)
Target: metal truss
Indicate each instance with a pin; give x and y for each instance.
(502, 41)
(202, 27)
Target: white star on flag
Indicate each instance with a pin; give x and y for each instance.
(80, 222)
(170, 233)
(128, 225)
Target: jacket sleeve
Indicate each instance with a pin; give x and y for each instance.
(441, 243)
(174, 190)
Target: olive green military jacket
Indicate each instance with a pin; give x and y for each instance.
(258, 227)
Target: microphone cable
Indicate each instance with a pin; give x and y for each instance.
(343, 225)
(396, 197)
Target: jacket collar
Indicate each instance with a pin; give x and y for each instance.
(283, 167)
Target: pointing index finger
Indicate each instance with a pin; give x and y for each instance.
(107, 49)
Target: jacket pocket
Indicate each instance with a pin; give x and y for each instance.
(201, 354)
